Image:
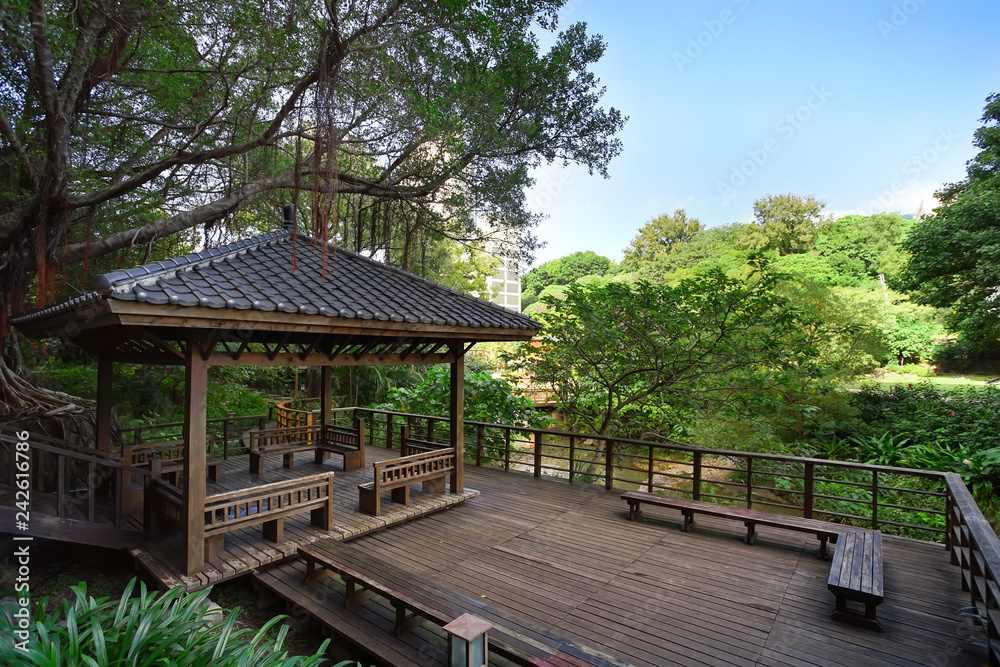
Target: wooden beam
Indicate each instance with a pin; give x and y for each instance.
(195, 416)
(105, 373)
(456, 410)
(150, 337)
(321, 359)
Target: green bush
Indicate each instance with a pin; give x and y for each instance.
(150, 629)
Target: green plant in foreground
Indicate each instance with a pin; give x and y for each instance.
(149, 629)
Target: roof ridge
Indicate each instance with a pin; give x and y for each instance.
(464, 295)
(109, 281)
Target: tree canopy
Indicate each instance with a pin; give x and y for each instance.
(785, 223)
(562, 271)
(955, 253)
(661, 235)
(389, 121)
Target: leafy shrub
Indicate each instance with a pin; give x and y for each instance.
(150, 629)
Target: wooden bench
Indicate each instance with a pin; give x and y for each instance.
(171, 455)
(396, 476)
(268, 504)
(348, 442)
(824, 530)
(411, 595)
(283, 442)
(856, 574)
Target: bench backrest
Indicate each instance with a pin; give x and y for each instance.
(227, 511)
(171, 451)
(353, 436)
(284, 437)
(413, 468)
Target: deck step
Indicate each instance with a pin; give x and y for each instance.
(70, 530)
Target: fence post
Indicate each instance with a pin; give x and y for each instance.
(874, 499)
(388, 430)
(609, 464)
(270, 411)
(227, 427)
(404, 436)
(137, 436)
(480, 436)
(749, 483)
(430, 429)
(650, 480)
(506, 450)
(538, 453)
(572, 451)
(808, 490)
(696, 477)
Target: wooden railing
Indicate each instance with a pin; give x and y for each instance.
(69, 481)
(226, 432)
(289, 417)
(284, 436)
(975, 548)
(898, 500)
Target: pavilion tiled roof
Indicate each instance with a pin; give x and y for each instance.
(257, 274)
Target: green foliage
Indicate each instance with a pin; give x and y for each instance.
(487, 399)
(954, 253)
(660, 236)
(563, 271)
(867, 244)
(149, 629)
(626, 357)
(786, 224)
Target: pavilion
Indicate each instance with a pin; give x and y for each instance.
(273, 300)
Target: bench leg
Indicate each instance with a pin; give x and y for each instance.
(256, 463)
(866, 620)
(214, 472)
(369, 501)
(688, 523)
(288, 459)
(822, 547)
(274, 530)
(401, 495)
(633, 510)
(214, 545)
(432, 486)
(322, 518)
(354, 460)
(314, 573)
(751, 532)
(400, 622)
(320, 456)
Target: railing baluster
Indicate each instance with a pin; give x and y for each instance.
(808, 490)
(874, 499)
(572, 459)
(609, 464)
(480, 436)
(538, 453)
(506, 450)
(696, 476)
(650, 466)
(388, 430)
(749, 483)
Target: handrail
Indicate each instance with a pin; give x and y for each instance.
(902, 500)
(976, 549)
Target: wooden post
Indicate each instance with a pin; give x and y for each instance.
(195, 415)
(456, 410)
(609, 464)
(105, 370)
(572, 460)
(650, 467)
(874, 499)
(538, 453)
(808, 490)
(480, 436)
(696, 477)
(388, 429)
(325, 385)
(749, 483)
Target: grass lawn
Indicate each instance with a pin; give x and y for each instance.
(942, 382)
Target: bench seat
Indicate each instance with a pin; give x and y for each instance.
(823, 530)
(856, 574)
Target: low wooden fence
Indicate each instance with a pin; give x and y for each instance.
(66, 480)
(896, 500)
(226, 432)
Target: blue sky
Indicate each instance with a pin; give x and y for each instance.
(867, 105)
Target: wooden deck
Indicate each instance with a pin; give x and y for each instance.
(247, 550)
(566, 558)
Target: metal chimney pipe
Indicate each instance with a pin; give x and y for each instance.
(289, 213)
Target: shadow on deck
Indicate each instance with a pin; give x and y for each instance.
(247, 550)
(564, 557)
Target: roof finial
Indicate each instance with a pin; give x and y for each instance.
(289, 212)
